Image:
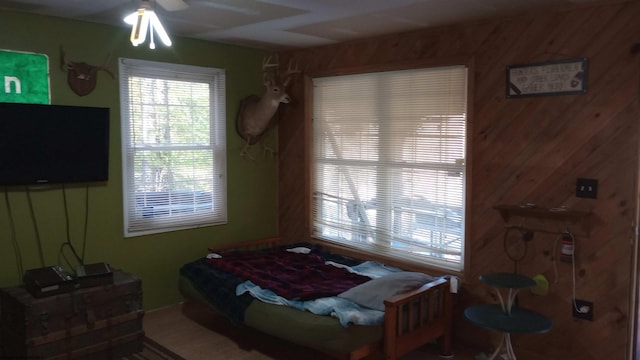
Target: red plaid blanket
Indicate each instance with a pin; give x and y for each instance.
(291, 275)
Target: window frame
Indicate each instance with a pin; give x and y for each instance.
(373, 252)
(216, 78)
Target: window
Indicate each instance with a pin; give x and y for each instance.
(389, 163)
(173, 146)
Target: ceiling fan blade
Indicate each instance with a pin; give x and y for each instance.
(173, 5)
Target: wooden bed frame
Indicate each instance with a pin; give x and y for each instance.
(411, 319)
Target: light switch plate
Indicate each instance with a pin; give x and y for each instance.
(587, 188)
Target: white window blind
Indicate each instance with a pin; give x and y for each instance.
(389, 163)
(173, 146)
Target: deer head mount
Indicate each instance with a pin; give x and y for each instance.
(256, 112)
(81, 76)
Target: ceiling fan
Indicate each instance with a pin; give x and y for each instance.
(145, 19)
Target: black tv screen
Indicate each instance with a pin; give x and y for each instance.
(53, 144)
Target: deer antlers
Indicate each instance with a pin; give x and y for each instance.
(270, 74)
(291, 70)
(82, 76)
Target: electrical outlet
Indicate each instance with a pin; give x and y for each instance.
(587, 188)
(582, 309)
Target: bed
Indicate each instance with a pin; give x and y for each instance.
(328, 305)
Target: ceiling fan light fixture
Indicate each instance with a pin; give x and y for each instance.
(159, 29)
(140, 26)
(145, 20)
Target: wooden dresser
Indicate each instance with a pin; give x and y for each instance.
(100, 322)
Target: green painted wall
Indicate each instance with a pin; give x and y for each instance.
(252, 185)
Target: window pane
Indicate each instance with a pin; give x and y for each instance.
(161, 170)
(173, 141)
(389, 163)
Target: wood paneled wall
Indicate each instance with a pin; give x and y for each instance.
(521, 150)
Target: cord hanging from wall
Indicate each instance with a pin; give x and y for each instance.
(14, 241)
(515, 243)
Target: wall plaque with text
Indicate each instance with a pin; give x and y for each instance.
(559, 77)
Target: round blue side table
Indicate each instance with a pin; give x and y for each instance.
(504, 317)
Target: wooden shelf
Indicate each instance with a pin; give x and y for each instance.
(507, 211)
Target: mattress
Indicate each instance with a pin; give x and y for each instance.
(411, 317)
(323, 333)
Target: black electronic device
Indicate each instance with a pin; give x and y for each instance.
(53, 144)
(50, 280)
(94, 275)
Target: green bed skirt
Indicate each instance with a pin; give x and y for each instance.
(323, 333)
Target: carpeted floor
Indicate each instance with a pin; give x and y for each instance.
(151, 350)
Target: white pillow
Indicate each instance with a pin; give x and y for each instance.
(300, 250)
(372, 293)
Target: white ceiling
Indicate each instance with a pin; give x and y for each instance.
(285, 24)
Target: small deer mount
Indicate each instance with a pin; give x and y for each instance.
(256, 113)
(82, 77)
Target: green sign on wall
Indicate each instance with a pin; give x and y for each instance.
(24, 77)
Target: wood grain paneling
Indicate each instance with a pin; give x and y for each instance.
(521, 150)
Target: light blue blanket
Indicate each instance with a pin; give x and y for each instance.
(345, 311)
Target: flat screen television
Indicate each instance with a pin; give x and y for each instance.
(53, 144)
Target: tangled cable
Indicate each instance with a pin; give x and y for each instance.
(526, 235)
